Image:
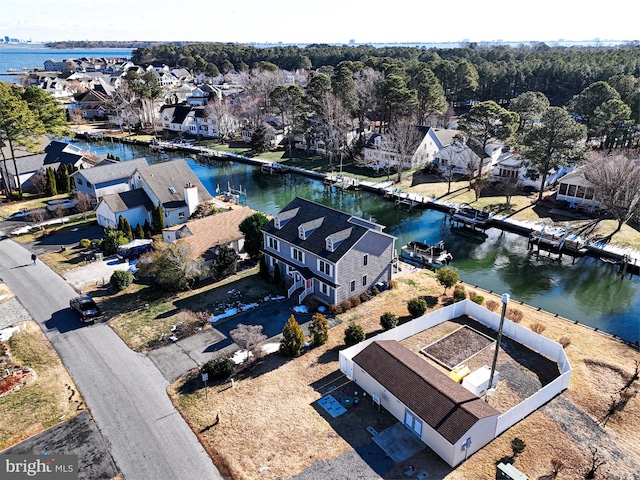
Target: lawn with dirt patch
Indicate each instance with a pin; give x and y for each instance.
(271, 418)
(44, 397)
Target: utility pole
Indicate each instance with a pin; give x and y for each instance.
(505, 301)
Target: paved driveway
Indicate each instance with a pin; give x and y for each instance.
(177, 359)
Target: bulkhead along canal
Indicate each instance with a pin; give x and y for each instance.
(583, 289)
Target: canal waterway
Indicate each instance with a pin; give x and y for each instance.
(583, 289)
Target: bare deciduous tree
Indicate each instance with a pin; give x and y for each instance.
(596, 463)
(39, 182)
(248, 337)
(334, 124)
(223, 118)
(83, 204)
(616, 180)
(402, 139)
(367, 84)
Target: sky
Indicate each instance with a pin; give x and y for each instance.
(318, 21)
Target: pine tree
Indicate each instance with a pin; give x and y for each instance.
(319, 329)
(157, 217)
(292, 338)
(146, 228)
(125, 227)
(63, 182)
(138, 232)
(52, 188)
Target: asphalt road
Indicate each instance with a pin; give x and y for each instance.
(125, 392)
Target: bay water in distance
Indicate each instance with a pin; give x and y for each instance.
(583, 289)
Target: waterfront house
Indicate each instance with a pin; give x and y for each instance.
(326, 253)
(577, 191)
(173, 185)
(511, 167)
(380, 156)
(106, 178)
(466, 157)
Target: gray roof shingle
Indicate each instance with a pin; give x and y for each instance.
(301, 211)
(445, 405)
(119, 202)
(111, 171)
(168, 177)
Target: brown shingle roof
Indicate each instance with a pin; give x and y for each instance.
(219, 229)
(446, 406)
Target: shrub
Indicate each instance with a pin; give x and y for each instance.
(392, 284)
(221, 368)
(517, 446)
(538, 327)
(353, 334)
(85, 243)
(459, 294)
(472, 293)
(417, 306)
(514, 315)
(365, 297)
(121, 279)
(345, 305)
(492, 305)
(335, 309)
(319, 329)
(355, 301)
(375, 291)
(479, 299)
(564, 341)
(292, 338)
(388, 320)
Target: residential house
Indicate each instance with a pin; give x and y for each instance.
(326, 253)
(174, 116)
(379, 156)
(512, 168)
(107, 178)
(205, 235)
(577, 191)
(90, 104)
(451, 419)
(465, 157)
(55, 154)
(173, 185)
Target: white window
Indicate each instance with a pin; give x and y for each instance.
(353, 285)
(181, 215)
(365, 259)
(297, 254)
(324, 288)
(325, 267)
(364, 280)
(329, 244)
(302, 234)
(274, 244)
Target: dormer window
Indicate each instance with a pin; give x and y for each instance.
(307, 228)
(282, 218)
(329, 244)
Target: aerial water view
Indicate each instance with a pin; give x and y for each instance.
(290, 241)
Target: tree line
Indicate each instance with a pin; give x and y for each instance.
(497, 73)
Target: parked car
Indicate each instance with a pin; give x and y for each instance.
(133, 250)
(86, 307)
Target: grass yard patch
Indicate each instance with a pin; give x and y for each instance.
(46, 399)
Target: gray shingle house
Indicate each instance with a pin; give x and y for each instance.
(326, 253)
(106, 178)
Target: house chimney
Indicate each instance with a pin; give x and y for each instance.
(191, 197)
